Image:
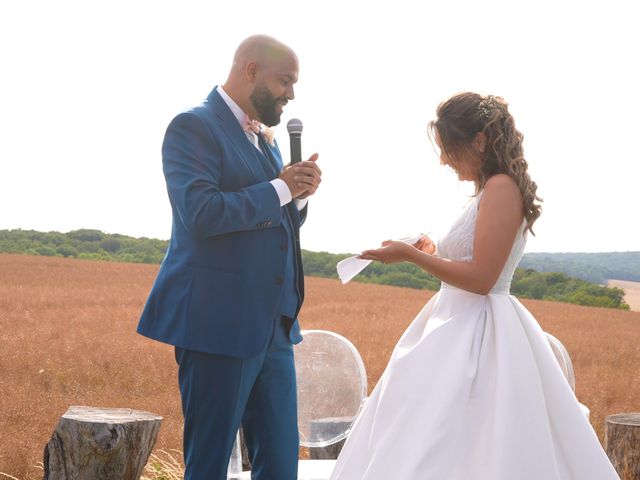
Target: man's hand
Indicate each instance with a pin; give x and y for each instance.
(302, 178)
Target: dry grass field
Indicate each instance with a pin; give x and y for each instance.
(631, 292)
(67, 337)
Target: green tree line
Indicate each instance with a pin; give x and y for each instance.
(85, 243)
(527, 283)
(561, 287)
(593, 267)
(97, 245)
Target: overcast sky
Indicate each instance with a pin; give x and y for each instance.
(88, 89)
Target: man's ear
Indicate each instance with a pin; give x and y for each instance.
(480, 142)
(251, 72)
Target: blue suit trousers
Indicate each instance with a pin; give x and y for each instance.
(219, 393)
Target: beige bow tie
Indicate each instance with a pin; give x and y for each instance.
(251, 125)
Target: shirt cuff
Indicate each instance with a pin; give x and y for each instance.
(284, 194)
(301, 203)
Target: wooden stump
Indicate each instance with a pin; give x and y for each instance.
(100, 443)
(622, 444)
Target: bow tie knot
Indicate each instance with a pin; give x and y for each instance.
(251, 125)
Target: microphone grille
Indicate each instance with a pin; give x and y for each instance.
(294, 126)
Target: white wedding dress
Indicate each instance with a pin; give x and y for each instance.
(473, 392)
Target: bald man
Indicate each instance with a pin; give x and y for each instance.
(231, 285)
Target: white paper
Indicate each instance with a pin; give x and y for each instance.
(350, 267)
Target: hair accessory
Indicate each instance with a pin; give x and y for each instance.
(489, 104)
(484, 111)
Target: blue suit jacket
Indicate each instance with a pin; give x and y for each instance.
(221, 281)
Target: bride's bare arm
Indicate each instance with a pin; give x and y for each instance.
(499, 219)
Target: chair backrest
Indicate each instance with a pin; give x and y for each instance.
(332, 387)
(563, 358)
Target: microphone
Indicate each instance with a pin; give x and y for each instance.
(294, 127)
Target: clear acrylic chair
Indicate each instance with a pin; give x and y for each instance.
(332, 389)
(564, 360)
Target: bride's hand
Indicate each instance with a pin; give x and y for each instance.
(392, 251)
(425, 244)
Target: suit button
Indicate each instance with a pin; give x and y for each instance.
(279, 280)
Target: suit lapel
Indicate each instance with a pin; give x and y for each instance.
(272, 154)
(258, 163)
(231, 127)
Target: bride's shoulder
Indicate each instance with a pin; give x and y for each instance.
(501, 181)
(501, 189)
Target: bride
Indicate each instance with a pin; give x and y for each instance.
(473, 390)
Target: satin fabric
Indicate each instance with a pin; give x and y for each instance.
(473, 392)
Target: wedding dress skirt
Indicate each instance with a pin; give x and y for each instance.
(473, 392)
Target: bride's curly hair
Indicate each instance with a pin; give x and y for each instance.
(462, 117)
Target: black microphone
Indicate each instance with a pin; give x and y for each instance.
(294, 127)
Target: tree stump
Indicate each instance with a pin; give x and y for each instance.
(622, 444)
(100, 443)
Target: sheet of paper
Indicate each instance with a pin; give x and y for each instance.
(350, 267)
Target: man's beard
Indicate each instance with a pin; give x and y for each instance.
(265, 104)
